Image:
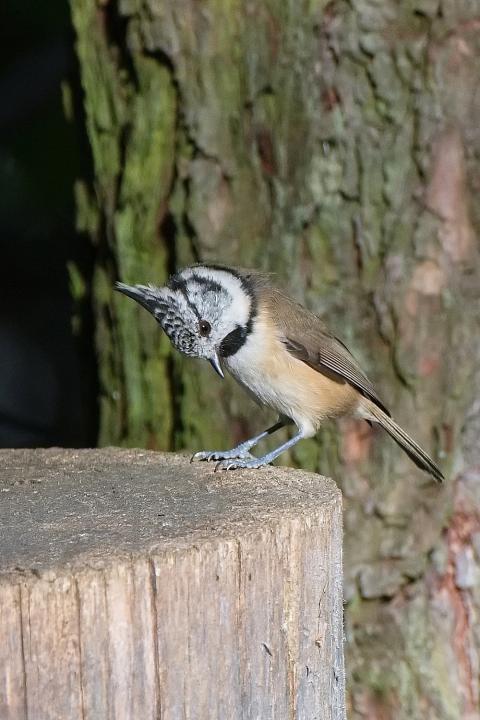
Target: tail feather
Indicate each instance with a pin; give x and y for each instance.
(373, 413)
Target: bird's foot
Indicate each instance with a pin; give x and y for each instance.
(235, 454)
(236, 464)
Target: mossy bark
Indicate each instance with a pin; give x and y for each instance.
(337, 144)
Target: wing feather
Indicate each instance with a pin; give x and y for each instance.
(307, 338)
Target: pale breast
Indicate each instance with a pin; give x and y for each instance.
(275, 378)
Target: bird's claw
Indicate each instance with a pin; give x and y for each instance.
(208, 455)
(237, 464)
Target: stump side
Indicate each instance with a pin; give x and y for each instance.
(133, 584)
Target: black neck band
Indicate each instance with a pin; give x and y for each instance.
(232, 342)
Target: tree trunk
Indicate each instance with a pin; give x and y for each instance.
(226, 605)
(336, 144)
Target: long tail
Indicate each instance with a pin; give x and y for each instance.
(373, 413)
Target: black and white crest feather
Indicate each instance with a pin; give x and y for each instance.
(219, 297)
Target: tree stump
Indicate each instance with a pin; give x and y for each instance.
(134, 585)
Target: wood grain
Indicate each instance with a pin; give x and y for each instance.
(136, 585)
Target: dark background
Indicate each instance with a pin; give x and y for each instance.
(47, 392)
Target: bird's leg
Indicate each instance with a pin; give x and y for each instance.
(252, 462)
(242, 450)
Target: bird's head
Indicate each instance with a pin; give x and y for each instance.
(206, 310)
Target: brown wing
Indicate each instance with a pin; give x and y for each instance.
(306, 337)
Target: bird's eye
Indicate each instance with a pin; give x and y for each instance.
(204, 327)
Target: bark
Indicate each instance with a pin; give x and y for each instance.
(336, 144)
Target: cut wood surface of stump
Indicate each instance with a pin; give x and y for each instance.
(134, 585)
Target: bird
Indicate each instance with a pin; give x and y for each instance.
(280, 352)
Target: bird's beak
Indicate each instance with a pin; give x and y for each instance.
(215, 363)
